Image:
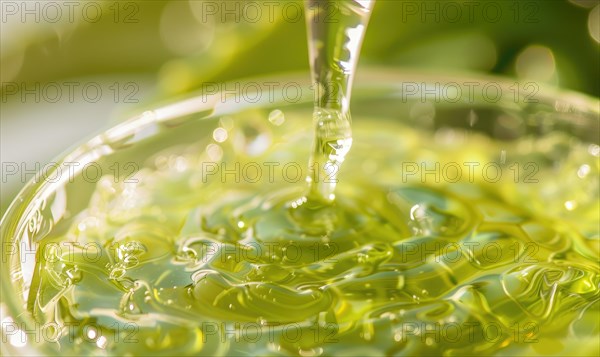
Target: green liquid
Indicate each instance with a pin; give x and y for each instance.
(240, 268)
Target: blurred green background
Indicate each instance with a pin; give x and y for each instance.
(143, 52)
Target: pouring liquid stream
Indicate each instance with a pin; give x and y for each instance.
(335, 33)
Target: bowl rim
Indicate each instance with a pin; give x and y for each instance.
(214, 105)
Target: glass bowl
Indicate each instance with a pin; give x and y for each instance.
(544, 161)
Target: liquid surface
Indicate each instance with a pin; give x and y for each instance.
(398, 264)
